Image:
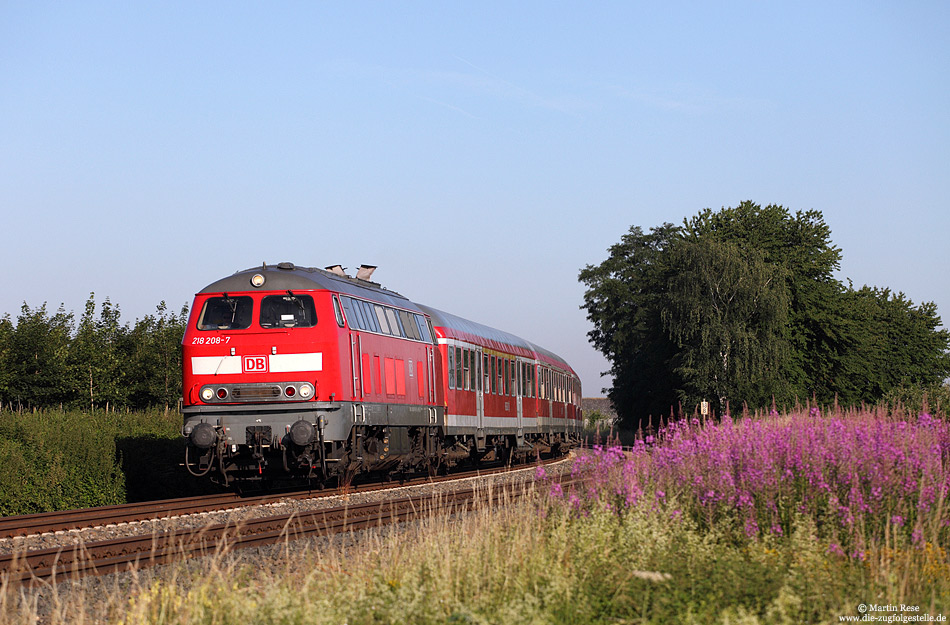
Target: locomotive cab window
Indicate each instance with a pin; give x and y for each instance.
(337, 311)
(226, 313)
(288, 311)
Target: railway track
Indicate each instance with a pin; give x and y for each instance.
(31, 524)
(106, 556)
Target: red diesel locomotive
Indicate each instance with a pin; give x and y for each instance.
(309, 372)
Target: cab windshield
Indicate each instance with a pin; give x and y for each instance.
(288, 311)
(226, 313)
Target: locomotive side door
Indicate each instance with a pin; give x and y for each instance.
(356, 350)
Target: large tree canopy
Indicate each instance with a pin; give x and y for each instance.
(740, 306)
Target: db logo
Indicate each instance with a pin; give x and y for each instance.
(255, 364)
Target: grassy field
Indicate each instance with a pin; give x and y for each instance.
(59, 460)
(797, 518)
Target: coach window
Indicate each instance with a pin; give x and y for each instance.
(507, 389)
(288, 311)
(473, 372)
(465, 364)
(451, 368)
(494, 377)
(487, 378)
(226, 313)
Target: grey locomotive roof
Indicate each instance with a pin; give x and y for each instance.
(287, 276)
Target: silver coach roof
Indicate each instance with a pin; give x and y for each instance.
(499, 338)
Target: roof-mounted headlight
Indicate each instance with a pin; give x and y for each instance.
(257, 280)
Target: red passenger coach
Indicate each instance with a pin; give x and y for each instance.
(310, 372)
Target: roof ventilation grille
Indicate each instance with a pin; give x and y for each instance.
(337, 270)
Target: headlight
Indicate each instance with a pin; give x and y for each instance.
(306, 391)
(257, 280)
(206, 394)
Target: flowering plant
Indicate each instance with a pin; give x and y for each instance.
(863, 477)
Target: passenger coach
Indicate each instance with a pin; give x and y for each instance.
(310, 372)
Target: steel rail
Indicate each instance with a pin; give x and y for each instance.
(162, 548)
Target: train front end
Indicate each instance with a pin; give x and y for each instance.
(261, 375)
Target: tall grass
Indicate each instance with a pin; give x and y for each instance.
(739, 522)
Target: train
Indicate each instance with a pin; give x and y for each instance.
(309, 373)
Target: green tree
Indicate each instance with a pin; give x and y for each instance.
(890, 343)
(801, 244)
(38, 357)
(623, 303)
(98, 362)
(6, 358)
(741, 305)
(156, 357)
(726, 309)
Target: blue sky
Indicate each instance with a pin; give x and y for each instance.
(480, 153)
